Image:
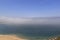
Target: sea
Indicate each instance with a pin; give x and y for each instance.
(31, 32)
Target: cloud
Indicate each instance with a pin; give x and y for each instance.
(10, 20)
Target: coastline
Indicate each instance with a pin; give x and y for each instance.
(11, 37)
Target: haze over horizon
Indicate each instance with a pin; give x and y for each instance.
(33, 20)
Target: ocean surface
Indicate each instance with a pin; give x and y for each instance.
(31, 32)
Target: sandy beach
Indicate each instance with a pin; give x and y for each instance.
(10, 37)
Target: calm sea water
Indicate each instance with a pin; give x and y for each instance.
(32, 32)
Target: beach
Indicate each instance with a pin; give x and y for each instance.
(10, 37)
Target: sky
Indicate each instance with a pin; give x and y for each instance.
(30, 8)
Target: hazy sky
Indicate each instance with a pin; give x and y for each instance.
(29, 8)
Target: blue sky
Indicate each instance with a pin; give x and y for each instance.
(30, 8)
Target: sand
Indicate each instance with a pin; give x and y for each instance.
(10, 37)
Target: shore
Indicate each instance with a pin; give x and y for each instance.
(10, 37)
